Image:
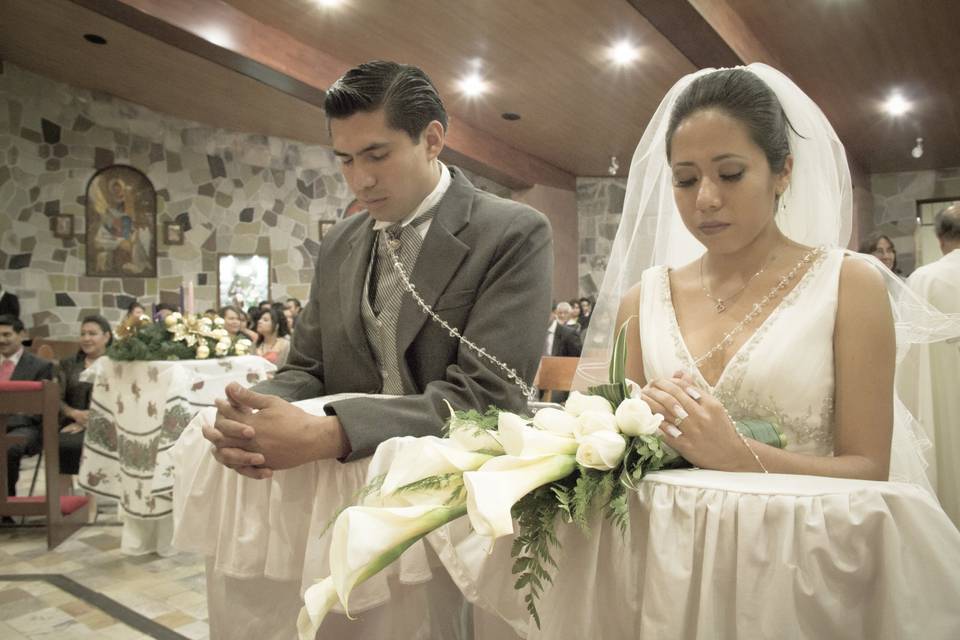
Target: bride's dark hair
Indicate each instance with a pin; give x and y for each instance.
(744, 96)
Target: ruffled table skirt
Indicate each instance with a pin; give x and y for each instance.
(731, 555)
(268, 538)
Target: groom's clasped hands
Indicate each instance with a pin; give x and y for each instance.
(256, 434)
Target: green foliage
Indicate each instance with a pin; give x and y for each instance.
(152, 342)
(473, 420)
(536, 517)
(452, 482)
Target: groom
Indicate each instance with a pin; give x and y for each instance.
(483, 264)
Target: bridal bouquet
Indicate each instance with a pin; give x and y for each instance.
(501, 470)
(178, 337)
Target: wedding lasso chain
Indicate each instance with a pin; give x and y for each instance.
(758, 307)
(454, 333)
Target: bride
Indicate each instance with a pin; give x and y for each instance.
(773, 322)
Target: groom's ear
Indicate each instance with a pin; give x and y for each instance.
(433, 137)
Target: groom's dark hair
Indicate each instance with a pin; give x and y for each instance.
(407, 95)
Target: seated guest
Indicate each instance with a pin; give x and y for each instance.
(210, 313)
(586, 308)
(881, 247)
(573, 320)
(272, 342)
(562, 340)
(95, 337)
(294, 306)
(135, 310)
(264, 305)
(163, 310)
(9, 303)
(18, 364)
(234, 321)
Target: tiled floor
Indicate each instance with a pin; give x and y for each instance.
(168, 591)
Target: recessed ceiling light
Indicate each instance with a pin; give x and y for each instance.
(328, 4)
(917, 151)
(896, 104)
(510, 115)
(622, 53)
(94, 38)
(472, 85)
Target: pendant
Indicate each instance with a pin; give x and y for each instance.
(721, 306)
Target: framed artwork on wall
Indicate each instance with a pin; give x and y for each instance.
(121, 225)
(62, 225)
(172, 233)
(243, 280)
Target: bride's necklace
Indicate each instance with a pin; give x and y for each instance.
(759, 306)
(720, 304)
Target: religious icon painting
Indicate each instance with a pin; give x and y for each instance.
(121, 225)
(243, 280)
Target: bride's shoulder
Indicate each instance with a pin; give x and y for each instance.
(862, 291)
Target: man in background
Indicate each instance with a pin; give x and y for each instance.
(937, 391)
(16, 363)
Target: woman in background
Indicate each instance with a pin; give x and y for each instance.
(95, 337)
(272, 342)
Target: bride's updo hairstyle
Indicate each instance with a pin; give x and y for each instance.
(745, 97)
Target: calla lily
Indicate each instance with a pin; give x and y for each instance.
(520, 439)
(420, 458)
(493, 489)
(578, 403)
(317, 602)
(472, 437)
(367, 539)
(555, 420)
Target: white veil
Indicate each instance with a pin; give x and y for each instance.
(817, 210)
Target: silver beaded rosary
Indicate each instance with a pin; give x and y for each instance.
(454, 333)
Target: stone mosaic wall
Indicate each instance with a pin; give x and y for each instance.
(599, 205)
(895, 197)
(231, 192)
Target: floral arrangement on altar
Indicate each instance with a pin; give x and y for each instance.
(501, 469)
(177, 337)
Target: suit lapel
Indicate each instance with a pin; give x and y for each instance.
(353, 272)
(440, 256)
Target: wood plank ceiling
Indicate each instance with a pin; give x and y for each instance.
(545, 60)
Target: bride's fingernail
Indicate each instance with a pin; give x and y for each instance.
(672, 431)
(680, 412)
(693, 393)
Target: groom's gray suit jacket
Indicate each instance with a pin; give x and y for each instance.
(485, 267)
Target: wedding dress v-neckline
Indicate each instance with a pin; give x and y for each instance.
(743, 348)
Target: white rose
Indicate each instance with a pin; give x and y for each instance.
(635, 418)
(220, 334)
(171, 320)
(601, 450)
(634, 390)
(593, 421)
(207, 321)
(242, 347)
(578, 402)
(203, 351)
(218, 321)
(555, 420)
(222, 348)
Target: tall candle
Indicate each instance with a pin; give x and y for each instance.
(181, 298)
(190, 307)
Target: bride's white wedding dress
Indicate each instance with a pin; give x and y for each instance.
(740, 555)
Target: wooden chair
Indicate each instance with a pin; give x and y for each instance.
(555, 373)
(65, 514)
(54, 350)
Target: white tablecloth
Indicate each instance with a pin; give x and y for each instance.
(722, 555)
(137, 412)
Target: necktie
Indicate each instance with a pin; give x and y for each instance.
(405, 242)
(6, 370)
